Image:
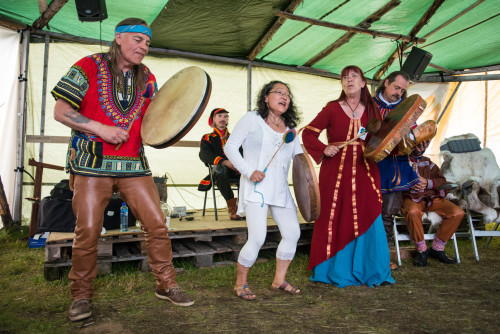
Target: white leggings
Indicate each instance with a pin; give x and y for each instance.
(288, 224)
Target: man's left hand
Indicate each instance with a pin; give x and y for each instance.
(421, 185)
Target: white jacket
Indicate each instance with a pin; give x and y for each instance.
(260, 142)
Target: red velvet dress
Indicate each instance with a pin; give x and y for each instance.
(349, 185)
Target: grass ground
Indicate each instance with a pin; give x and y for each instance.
(439, 298)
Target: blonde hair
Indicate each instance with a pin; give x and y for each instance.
(114, 55)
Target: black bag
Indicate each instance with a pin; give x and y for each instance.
(62, 191)
(55, 215)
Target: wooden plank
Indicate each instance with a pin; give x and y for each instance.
(240, 239)
(231, 245)
(292, 37)
(358, 30)
(203, 261)
(270, 33)
(12, 25)
(347, 36)
(220, 246)
(4, 209)
(65, 140)
(181, 250)
(47, 15)
(200, 248)
(104, 248)
(420, 24)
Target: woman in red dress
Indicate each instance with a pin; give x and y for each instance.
(349, 246)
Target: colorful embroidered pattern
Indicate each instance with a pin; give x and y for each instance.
(108, 95)
(90, 161)
(72, 87)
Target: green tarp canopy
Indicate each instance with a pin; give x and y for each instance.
(460, 34)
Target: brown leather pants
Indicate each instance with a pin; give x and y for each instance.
(90, 198)
(452, 216)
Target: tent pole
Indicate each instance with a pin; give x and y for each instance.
(249, 87)
(21, 127)
(449, 101)
(485, 111)
(44, 93)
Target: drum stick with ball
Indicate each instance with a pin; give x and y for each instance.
(288, 137)
(361, 132)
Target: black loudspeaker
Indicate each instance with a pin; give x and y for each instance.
(416, 63)
(91, 10)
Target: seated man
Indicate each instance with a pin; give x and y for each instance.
(212, 153)
(425, 196)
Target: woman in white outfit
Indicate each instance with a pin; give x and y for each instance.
(261, 133)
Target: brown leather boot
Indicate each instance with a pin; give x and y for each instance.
(232, 207)
(425, 131)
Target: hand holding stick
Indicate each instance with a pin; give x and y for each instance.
(132, 122)
(361, 132)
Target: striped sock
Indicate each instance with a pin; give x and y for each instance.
(421, 246)
(438, 245)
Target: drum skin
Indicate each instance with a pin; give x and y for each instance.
(306, 188)
(395, 125)
(176, 107)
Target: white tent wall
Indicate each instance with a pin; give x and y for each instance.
(465, 114)
(9, 71)
(229, 90)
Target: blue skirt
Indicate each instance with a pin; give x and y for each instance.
(365, 260)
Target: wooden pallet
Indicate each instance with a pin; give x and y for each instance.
(111, 249)
(200, 243)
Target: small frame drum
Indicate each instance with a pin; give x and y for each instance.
(176, 107)
(306, 188)
(395, 125)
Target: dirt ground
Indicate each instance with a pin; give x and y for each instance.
(439, 298)
(446, 299)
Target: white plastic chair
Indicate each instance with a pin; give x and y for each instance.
(398, 236)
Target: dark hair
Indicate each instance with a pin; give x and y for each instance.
(114, 55)
(290, 116)
(366, 98)
(391, 78)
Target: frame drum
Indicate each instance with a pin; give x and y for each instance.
(176, 107)
(306, 188)
(395, 125)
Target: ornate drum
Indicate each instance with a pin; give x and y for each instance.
(396, 124)
(306, 188)
(176, 107)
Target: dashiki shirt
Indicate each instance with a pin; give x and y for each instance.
(89, 87)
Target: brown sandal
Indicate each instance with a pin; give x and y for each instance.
(295, 290)
(393, 266)
(246, 293)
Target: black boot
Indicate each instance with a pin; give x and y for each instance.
(420, 259)
(441, 256)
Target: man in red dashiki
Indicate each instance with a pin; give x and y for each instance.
(103, 98)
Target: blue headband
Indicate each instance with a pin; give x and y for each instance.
(134, 28)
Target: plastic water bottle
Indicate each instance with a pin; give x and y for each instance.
(124, 217)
